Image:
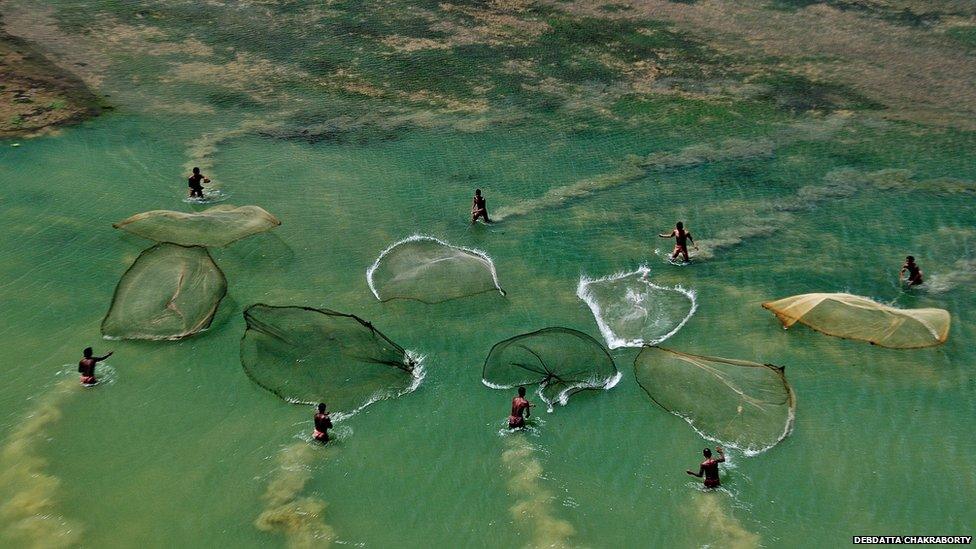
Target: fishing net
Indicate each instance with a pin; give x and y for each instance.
(426, 269)
(169, 292)
(217, 226)
(308, 355)
(856, 317)
(745, 405)
(632, 311)
(560, 360)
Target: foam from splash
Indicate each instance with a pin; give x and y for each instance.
(297, 517)
(28, 511)
(652, 327)
(963, 272)
(533, 510)
(721, 525)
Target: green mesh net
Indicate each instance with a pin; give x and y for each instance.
(426, 269)
(307, 356)
(169, 292)
(855, 317)
(745, 405)
(561, 361)
(217, 226)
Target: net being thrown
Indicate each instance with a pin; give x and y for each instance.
(217, 226)
(169, 292)
(561, 361)
(306, 355)
(423, 268)
(632, 311)
(855, 317)
(741, 404)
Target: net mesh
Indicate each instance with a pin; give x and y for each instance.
(169, 292)
(745, 405)
(561, 361)
(632, 311)
(306, 355)
(855, 317)
(426, 269)
(217, 226)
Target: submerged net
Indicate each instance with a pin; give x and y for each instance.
(741, 404)
(308, 355)
(632, 311)
(855, 317)
(426, 269)
(217, 226)
(169, 292)
(560, 360)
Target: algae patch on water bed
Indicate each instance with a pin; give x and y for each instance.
(35, 94)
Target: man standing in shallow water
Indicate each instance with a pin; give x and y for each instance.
(681, 240)
(194, 182)
(322, 424)
(914, 273)
(520, 406)
(709, 467)
(86, 366)
(478, 207)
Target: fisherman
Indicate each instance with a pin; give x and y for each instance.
(709, 467)
(914, 273)
(322, 425)
(196, 187)
(681, 238)
(478, 208)
(520, 410)
(86, 366)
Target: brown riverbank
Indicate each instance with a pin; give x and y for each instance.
(35, 94)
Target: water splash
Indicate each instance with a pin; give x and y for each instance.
(297, 517)
(534, 510)
(616, 320)
(28, 512)
(422, 237)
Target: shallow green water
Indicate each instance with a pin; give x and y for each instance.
(179, 448)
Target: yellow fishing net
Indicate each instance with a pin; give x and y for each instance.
(217, 226)
(855, 317)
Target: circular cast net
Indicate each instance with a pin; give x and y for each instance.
(632, 311)
(217, 226)
(307, 356)
(169, 292)
(426, 269)
(745, 405)
(855, 317)
(560, 361)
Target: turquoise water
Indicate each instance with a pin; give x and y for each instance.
(181, 447)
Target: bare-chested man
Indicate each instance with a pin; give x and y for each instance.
(478, 207)
(709, 467)
(681, 240)
(322, 425)
(520, 410)
(914, 273)
(86, 366)
(194, 182)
